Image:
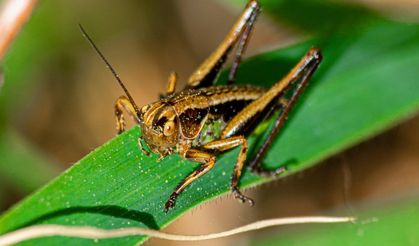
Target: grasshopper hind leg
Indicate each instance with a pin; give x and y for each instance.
(294, 82)
(304, 72)
(237, 37)
(241, 46)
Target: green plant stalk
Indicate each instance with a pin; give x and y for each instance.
(18, 159)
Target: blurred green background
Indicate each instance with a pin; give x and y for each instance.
(57, 102)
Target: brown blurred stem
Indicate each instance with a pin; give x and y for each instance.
(13, 14)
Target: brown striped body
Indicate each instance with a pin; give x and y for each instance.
(192, 110)
(202, 120)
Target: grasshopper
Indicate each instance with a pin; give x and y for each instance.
(180, 122)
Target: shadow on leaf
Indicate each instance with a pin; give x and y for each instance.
(110, 210)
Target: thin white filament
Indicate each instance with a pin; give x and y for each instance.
(88, 232)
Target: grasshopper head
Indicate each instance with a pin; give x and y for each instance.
(159, 127)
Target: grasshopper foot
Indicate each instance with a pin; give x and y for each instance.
(140, 145)
(268, 173)
(242, 198)
(170, 203)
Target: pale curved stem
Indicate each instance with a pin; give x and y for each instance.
(38, 231)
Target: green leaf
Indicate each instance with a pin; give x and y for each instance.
(18, 161)
(320, 17)
(393, 225)
(366, 84)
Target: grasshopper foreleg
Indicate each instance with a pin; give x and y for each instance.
(123, 103)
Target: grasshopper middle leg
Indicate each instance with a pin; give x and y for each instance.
(224, 145)
(208, 160)
(171, 85)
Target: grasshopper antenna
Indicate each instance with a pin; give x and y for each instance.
(109, 66)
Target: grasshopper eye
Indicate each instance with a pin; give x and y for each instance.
(169, 128)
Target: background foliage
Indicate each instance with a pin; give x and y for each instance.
(365, 85)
